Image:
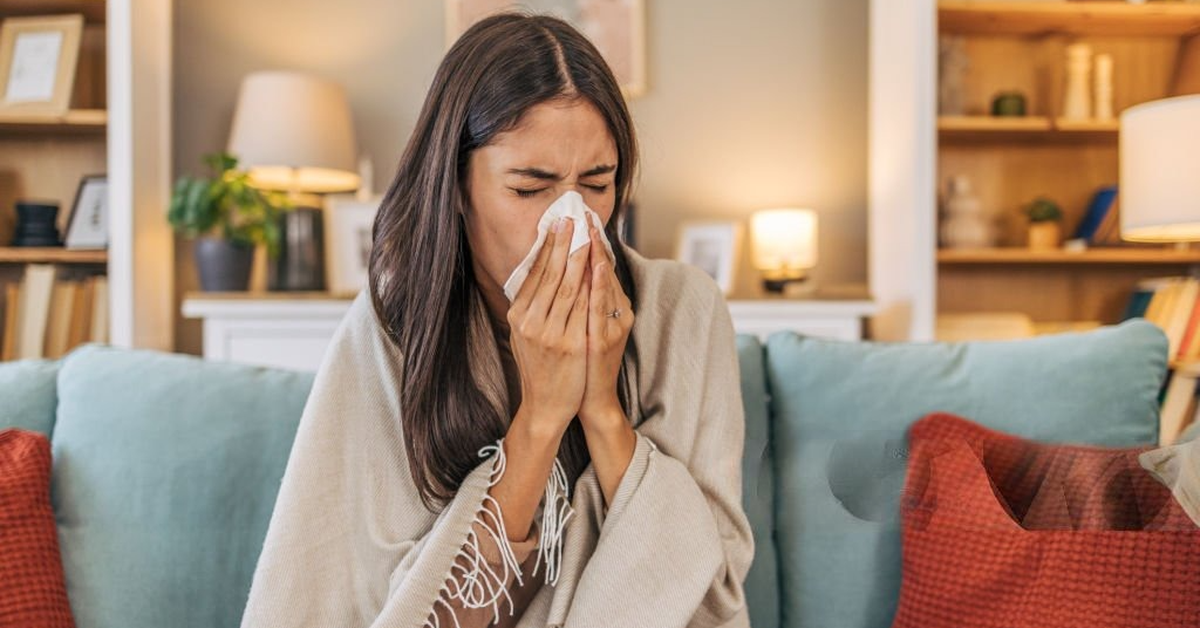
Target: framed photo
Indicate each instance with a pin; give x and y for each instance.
(348, 223)
(616, 27)
(713, 247)
(87, 225)
(38, 56)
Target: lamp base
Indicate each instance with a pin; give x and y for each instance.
(300, 265)
(790, 285)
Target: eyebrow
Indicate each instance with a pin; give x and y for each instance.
(538, 173)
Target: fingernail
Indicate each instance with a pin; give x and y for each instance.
(557, 225)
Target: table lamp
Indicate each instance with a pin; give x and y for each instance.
(293, 132)
(1160, 182)
(785, 246)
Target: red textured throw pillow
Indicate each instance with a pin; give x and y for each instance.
(33, 593)
(1000, 531)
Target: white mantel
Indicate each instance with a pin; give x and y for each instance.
(292, 330)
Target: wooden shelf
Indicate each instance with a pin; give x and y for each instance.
(51, 255)
(74, 121)
(1028, 128)
(1068, 18)
(1103, 255)
(93, 10)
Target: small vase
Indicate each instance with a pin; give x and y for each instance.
(224, 266)
(1045, 234)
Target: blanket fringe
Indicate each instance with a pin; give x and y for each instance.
(473, 582)
(556, 511)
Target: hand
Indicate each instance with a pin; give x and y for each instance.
(548, 324)
(606, 338)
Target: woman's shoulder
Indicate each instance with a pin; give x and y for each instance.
(658, 279)
(674, 294)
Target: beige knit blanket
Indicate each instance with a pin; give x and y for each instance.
(350, 544)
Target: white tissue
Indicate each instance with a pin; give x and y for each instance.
(571, 205)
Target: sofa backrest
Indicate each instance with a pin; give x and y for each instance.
(28, 395)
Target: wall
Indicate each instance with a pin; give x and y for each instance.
(751, 104)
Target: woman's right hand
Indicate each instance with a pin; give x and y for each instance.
(548, 325)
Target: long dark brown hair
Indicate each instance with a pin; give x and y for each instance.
(495, 72)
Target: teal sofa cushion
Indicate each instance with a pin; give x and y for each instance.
(28, 395)
(841, 413)
(166, 473)
(758, 487)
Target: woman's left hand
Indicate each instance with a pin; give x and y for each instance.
(607, 336)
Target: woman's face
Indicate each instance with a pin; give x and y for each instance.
(558, 146)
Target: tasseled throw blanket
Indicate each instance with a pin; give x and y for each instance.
(351, 545)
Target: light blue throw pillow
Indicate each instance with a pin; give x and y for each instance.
(166, 473)
(841, 411)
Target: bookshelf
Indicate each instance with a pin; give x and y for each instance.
(44, 157)
(1010, 161)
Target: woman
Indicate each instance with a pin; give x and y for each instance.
(464, 460)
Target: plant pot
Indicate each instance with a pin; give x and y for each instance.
(1046, 234)
(224, 266)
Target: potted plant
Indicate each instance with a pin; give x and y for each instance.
(1045, 219)
(227, 218)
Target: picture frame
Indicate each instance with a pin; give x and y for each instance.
(712, 246)
(348, 225)
(87, 224)
(38, 58)
(616, 27)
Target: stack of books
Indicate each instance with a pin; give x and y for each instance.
(1170, 303)
(47, 313)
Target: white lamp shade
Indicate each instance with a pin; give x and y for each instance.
(784, 239)
(293, 131)
(1160, 171)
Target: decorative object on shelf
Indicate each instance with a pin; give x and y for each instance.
(305, 148)
(87, 226)
(616, 27)
(1160, 188)
(1077, 102)
(38, 56)
(1102, 90)
(1009, 103)
(785, 248)
(953, 63)
(36, 224)
(227, 217)
(713, 247)
(966, 224)
(349, 223)
(1045, 228)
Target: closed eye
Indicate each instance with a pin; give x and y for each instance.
(529, 193)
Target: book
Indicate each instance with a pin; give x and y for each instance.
(62, 305)
(37, 287)
(12, 291)
(1176, 319)
(1164, 293)
(1178, 405)
(1102, 202)
(81, 316)
(1136, 308)
(1190, 346)
(99, 330)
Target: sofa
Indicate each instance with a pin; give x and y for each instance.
(166, 466)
